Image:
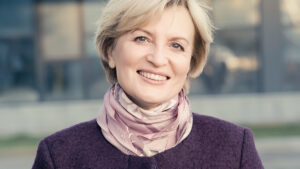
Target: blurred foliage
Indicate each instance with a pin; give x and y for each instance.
(19, 141)
(276, 130)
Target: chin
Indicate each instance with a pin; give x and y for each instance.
(155, 100)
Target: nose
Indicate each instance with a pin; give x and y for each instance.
(157, 57)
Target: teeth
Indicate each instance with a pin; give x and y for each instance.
(153, 76)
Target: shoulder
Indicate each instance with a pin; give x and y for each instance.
(79, 146)
(76, 132)
(64, 144)
(213, 123)
(79, 138)
(219, 131)
(227, 140)
(223, 140)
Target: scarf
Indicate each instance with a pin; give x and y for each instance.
(136, 131)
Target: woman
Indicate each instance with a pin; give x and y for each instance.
(149, 50)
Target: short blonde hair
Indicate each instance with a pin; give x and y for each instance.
(121, 16)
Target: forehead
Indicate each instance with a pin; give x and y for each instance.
(171, 16)
(175, 21)
(143, 17)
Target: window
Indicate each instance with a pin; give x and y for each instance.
(290, 12)
(233, 63)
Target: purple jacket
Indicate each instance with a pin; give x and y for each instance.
(212, 144)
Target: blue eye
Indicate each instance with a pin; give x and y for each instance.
(177, 46)
(141, 39)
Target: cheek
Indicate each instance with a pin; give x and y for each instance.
(182, 67)
(123, 58)
(126, 65)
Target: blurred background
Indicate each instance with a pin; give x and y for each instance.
(51, 76)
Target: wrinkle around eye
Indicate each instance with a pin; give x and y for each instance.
(177, 46)
(141, 39)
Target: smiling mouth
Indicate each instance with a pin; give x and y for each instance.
(153, 76)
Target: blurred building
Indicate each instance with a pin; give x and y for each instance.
(47, 50)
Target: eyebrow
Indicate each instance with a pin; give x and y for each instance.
(150, 34)
(142, 30)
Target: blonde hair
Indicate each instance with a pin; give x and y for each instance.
(121, 16)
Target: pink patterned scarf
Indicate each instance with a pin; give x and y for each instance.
(140, 132)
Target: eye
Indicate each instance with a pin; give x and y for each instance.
(177, 46)
(141, 39)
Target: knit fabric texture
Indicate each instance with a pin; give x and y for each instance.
(212, 144)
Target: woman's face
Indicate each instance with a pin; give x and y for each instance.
(152, 62)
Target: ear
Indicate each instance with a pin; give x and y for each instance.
(111, 61)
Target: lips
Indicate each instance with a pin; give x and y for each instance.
(153, 76)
